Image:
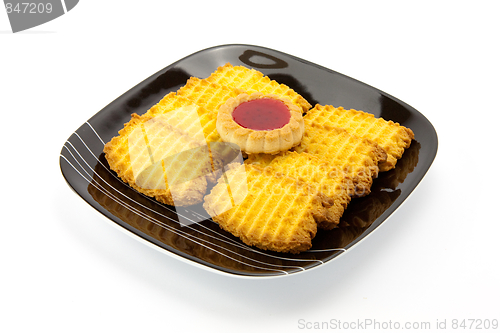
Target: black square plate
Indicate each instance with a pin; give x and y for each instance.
(205, 244)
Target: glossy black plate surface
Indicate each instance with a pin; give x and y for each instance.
(87, 173)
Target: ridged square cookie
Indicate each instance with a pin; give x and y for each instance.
(391, 136)
(164, 153)
(356, 157)
(267, 210)
(323, 176)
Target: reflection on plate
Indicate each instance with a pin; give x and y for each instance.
(87, 172)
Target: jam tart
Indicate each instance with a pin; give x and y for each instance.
(260, 123)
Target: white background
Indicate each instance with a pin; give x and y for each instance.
(64, 269)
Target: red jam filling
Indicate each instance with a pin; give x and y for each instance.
(263, 114)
